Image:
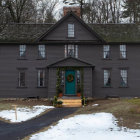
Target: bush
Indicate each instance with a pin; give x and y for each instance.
(55, 101)
(59, 102)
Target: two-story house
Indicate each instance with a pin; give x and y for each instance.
(103, 59)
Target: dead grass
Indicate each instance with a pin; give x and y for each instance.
(126, 111)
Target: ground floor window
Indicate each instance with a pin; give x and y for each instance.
(21, 78)
(124, 79)
(78, 73)
(62, 75)
(41, 78)
(107, 78)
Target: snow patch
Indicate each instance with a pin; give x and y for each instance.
(23, 114)
(95, 105)
(97, 126)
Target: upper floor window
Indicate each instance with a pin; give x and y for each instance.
(124, 79)
(107, 78)
(106, 52)
(41, 78)
(21, 78)
(123, 52)
(71, 51)
(70, 30)
(22, 50)
(41, 51)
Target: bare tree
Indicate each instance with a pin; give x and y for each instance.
(45, 11)
(102, 11)
(20, 10)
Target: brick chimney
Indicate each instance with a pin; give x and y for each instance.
(74, 9)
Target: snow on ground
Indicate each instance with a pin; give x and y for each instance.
(23, 114)
(95, 105)
(99, 126)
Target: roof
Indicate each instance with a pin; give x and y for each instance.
(127, 33)
(70, 62)
(31, 33)
(79, 20)
(20, 33)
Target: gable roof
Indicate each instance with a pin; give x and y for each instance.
(79, 20)
(70, 62)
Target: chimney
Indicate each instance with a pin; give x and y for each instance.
(74, 9)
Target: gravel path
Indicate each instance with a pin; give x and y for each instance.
(20, 130)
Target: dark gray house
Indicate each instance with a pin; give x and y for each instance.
(100, 59)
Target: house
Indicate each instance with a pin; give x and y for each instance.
(100, 59)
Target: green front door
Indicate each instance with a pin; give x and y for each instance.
(70, 82)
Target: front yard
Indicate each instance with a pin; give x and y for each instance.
(100, 119)
(25, 110)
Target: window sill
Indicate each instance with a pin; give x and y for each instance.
(41, 59)
(107, 87)
(22, 59)
(70, 37)
(123, 87)
(22, 87)
(123, 58)
(42, 87)
(106, 58)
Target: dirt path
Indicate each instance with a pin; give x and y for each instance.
(18, 131)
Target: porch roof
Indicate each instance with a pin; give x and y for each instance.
(70, 62)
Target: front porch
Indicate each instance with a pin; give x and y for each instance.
(69, 77)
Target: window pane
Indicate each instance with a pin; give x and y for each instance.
(62, 77)
(78, 76)
(22, 50)
(41, 78)
(123, 51)
(107, 78)
(42, 53)
(106, 52)
(70, 30)
(71, 50)
(21, 79)
(123, 74)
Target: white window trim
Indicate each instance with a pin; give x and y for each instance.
(38, 75)
(71, 30)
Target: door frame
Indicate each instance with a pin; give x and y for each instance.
(65, 83)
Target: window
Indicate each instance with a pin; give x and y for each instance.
(22, 50)
(41, 78)
(21, 78)
(71, 51)
(62, 77)
(41, 51)
(124, 79)
(107, 78)
(122, 51)
(70, 30)
(106, 52)
(78, 76)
